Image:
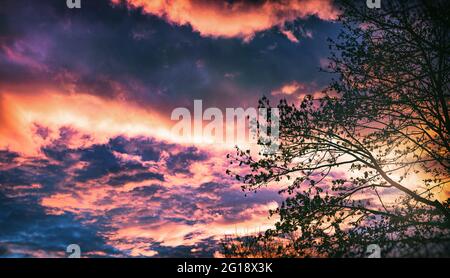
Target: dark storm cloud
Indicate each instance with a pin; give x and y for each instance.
(34, 171)
(101, 162)
(125, 178)
(7, 156)
(75, 191)
(27, 229)
(27, 189)
(111, 51)
(41, 131)
(211, 187)
(14, 177)
(205, 248)
(220, 199)
(148, 190)
(179, 163)
(147, 148)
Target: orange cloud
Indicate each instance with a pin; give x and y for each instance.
(234, 20)
(97, 117)
(289, 89)
(20, 58)
(100, 118)
(175, 234)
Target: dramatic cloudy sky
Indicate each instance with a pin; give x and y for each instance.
(86, 94)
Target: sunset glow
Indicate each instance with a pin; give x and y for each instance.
(87, 149)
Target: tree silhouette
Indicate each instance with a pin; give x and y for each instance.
(369, 161)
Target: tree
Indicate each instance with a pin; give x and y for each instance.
(370, 160)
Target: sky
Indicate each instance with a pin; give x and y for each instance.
(86, 95)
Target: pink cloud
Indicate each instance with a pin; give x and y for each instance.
(290, 36)
(289, 88)
(234, 20)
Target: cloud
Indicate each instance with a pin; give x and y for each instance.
(84, 105)
(168, 66)
(290, 36)
(7, 156)
(27, 231)
(180, 162)
(237, 19)
(288, 89)
(137, 177)
(177, 203)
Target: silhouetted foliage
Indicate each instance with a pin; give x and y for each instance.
(367, 162)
